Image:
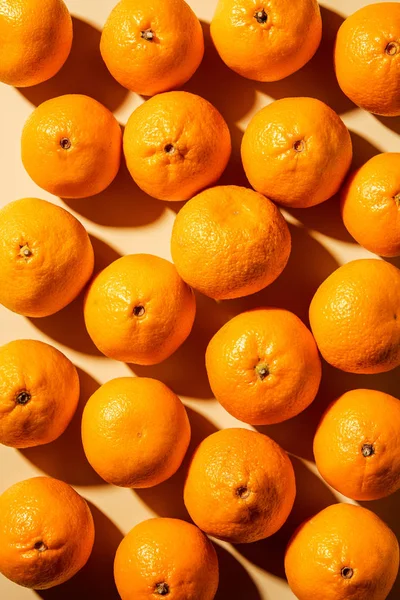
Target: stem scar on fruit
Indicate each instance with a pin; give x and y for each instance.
(261, 16)
(25, 251)
(243, 492)
(262, 371)
(169, 149)
(392, 48)
(40, 546)
(299, 146)
(147, 34)
(162, 589)
(23, 397)
(347, 572)
(139, 311)
(367, 450)
(65, 143)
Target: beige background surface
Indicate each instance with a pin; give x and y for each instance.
(123, 220)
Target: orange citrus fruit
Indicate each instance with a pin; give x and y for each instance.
(176, 144)
(240, 486)
(139, 310)
(263, 366)
(371, 202)
(46, 257)
(297, 152)
(356, 446)
(36, 39)
(166, 557)
(151, 46)
(46, 532)
(344, 552)
(135, 432)
(229, 242)
(354, 317)
(71, 146)
(266, 41)
(367, 58)
(39, 393)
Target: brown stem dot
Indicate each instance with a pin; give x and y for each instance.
(243, 492)
(392, 48)
(262, 371)
(299, 146)
(367, 450)
(347, 572)
(65, 143)
(139, 311)
(261, 16)
(396, 198)
(147, 34)
(25, 251)
(162, 589)
(169, 149)
(40, 546)
(23, 397)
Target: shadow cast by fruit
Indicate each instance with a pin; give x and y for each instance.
(83, 73)
(392, 123)
(166, 499)
(234, 580)
(64, 458)
(312, 496)
(67, 326)
(317, 78)
(122, 204)
(96, 579)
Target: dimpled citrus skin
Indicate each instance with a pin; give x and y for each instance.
(342, 536)
(170, 552)
(167, 60)
(58, 263)
(270, 50)
(371, 204)
(135, 432)
(359, 422)
(52, 383)
(127, 286)
(367, 58)
(92, 154)
(49, 513)
(229, 242)
(263, 366)
(354, 317)
(240, 486)
(175, 145)
(297, 152)
(36, 39)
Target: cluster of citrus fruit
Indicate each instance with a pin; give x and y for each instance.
(227, 242)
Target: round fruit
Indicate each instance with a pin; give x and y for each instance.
(240, 486)
(151, 46)
(229, 242)
(354, 317)
(175, 145)
(46, 532)
(71, 146)
(36, 39)
(166, 557)
(371, 202)
(138, 309)
(266, 41)
(344, 552)
(39, 393)
(297, 152)
(367, 58)
(356, 446)
(263, 366)
(46, 257)
(135, 432)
